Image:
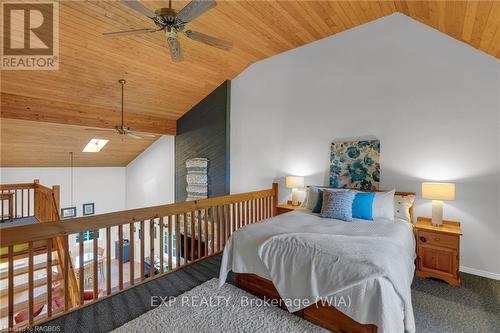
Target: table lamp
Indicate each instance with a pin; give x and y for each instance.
(438, 192)
(294, 183)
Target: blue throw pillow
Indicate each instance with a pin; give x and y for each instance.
(319, 202)
(362, 206)
(337, 205)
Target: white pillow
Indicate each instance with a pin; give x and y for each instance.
(383, 205)
(312, 197)
(306, 197)
(402, 204)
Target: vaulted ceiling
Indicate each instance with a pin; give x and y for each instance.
(84, 91)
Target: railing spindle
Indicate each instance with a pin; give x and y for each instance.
(108, 260)
(66, 272)
(199, 233)
(120, 257)
(29, 201)
(11, 286)
(206, 231)
(212, 229)
(193, 233)
(219, 228)
(22, 202)
(151, 248)
(49, 278)
(81, 270)
(185, 223)
(233, 219)
(132, 253)
(30, 282)
(247, 212)
(224, 226)
(15, 201)
(169, 242)
(177, 241)
(95, 280)
(141, 236)
(160, 244)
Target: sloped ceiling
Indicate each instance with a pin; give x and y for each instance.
(158, 91)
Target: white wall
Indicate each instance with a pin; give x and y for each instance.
(432, 101)
(150, 176)
(150, 181)
(105, 187)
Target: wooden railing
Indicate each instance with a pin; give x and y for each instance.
(155, 240)
(31, 199)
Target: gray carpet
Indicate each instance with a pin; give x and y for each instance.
(438, 307)
(208, 309)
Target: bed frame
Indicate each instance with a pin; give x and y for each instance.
(325, 316)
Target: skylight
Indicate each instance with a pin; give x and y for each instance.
(95, 145)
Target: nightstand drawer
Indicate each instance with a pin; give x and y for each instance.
(437, 239)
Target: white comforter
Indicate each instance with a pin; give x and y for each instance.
(380, 295)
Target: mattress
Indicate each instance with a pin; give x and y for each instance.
(241, 256)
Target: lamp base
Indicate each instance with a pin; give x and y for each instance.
(437, 213)
(295, 197)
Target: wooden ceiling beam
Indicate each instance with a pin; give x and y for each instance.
(49, 111)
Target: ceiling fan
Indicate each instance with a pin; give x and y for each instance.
(174, 23)
(121, 129)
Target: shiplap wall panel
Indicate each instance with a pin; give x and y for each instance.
(204, 132)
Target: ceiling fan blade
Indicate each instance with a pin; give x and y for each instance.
(142, 134)
(209, 40)
(137, 6)
(194, 9)
(175, 49)
(100, 129)
(133, 136)
(129, 32)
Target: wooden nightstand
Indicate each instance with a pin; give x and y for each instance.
(438, 250)
(285, 208)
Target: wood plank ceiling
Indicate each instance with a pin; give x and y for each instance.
(85, 92)
(48, 145)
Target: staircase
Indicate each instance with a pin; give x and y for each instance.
(32, 274)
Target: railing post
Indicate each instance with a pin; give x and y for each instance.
(56, 193)
(275, 199)
(36, 203)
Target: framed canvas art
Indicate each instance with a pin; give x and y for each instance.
(68, 212)
(88, 209)
(355, 164)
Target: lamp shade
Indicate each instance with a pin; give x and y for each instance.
(294, 182)
(438, 191)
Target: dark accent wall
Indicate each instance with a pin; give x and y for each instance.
(204, 132)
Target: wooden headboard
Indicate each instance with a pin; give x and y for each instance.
(403, 194)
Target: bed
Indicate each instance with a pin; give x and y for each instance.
(301, 257)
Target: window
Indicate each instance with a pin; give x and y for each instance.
(87, 235)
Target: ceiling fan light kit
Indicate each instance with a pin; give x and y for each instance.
(174, 23)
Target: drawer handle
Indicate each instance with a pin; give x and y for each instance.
(423, 239)
(436, 239)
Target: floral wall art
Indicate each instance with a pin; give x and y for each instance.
(355, 164)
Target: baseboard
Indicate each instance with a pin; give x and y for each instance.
(480, 273)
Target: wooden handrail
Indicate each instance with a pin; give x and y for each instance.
(25, 233)
(8, 187)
